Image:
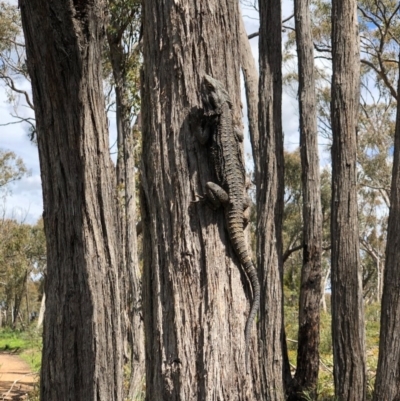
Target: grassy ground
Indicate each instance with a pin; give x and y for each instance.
(27, 344)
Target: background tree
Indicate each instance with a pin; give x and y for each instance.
(13, 70)
(379, 38)
(274, 364)
(82, 333)
(293, 229)
(306, 377)
(347, 300)
(388, 372)
(250, 75)
(12, 168)
(22, 260)
(376, 120)
(124, 57)
(15, 246)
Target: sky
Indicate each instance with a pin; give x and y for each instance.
(25, 201)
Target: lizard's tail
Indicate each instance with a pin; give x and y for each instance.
(255, 306)
(239, 245)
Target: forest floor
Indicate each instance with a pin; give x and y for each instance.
(16, 378)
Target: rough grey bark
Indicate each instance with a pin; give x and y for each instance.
(123, 128)
(274, 364)
(195, 308)
(306, 377)
(131, 254)
(387, 383)
(347, 298)
(82, 334)
(250, 75)
(129, 275)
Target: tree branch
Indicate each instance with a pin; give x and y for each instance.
(10, 83)
(382, 75)
(289, 251)
(253, 35)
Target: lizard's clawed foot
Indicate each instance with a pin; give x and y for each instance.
(202, 199)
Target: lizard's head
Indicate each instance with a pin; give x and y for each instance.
(214, 94)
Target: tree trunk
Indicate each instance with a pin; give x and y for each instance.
(137, 378)
(274, 364)
(387, 381)
(82, 333)
(123, 128)
(28, 312)
(195, 307)
(347, 297)
(306, 377)
(324, 283)
(19, 292)
(250, 74)
(130, 275)
(379, 285)
(41, 311)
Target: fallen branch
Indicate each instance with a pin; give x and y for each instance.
(15, 382)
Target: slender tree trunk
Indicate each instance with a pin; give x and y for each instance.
(250, 74)
(379, 289)
(195, 308)
(28, 312)
(323, 287)
(274, 364)
(306, 377)
(41, 311)
(123, 124)
(387, 383)
(11, 315)
(131, 255)
(82, 334)
(130, 275)
(19, 292)
(347, 297)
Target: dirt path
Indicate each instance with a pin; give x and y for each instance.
(13, 368)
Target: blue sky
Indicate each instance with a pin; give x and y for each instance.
(25, 202)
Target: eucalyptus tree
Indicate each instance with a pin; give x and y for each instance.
(347, 298)
(13, 71)
(82, 350)
(274, 364)
(195, 307)
(22, 254)
(12, 168)
(306, 376)
(123, 55)
(379, 39)
(388, 372)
